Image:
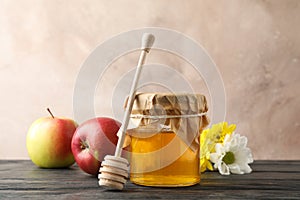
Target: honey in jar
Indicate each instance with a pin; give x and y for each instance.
(163, 152)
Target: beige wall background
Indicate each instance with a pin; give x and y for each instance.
(255, 44)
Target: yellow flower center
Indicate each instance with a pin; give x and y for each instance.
(229, 158)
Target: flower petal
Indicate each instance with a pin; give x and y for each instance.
(246, 168)
(235, 169)
(219, 148)
(214, 157)
(223, 169)
(209, 166)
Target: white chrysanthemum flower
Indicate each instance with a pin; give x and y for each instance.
(232, 155)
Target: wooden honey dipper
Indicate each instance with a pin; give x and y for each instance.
(114, 169)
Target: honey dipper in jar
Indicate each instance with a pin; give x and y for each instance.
(114, 170)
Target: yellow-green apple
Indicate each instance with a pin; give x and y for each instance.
(49, 142)
(92, 141)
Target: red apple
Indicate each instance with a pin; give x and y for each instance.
(92, 141)
(49, 142)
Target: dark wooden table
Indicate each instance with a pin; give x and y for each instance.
(269, 180)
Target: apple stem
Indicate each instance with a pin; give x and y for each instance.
(50, 113)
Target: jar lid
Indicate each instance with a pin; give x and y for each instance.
(184, 114)
(169, 104)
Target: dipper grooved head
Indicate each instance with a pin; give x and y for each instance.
(113, 173)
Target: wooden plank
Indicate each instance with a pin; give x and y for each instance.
(269, 179)
(276, 166)
(150, 193)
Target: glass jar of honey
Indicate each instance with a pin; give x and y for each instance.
(164, 144)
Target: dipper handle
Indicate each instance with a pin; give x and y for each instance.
(147, 42)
